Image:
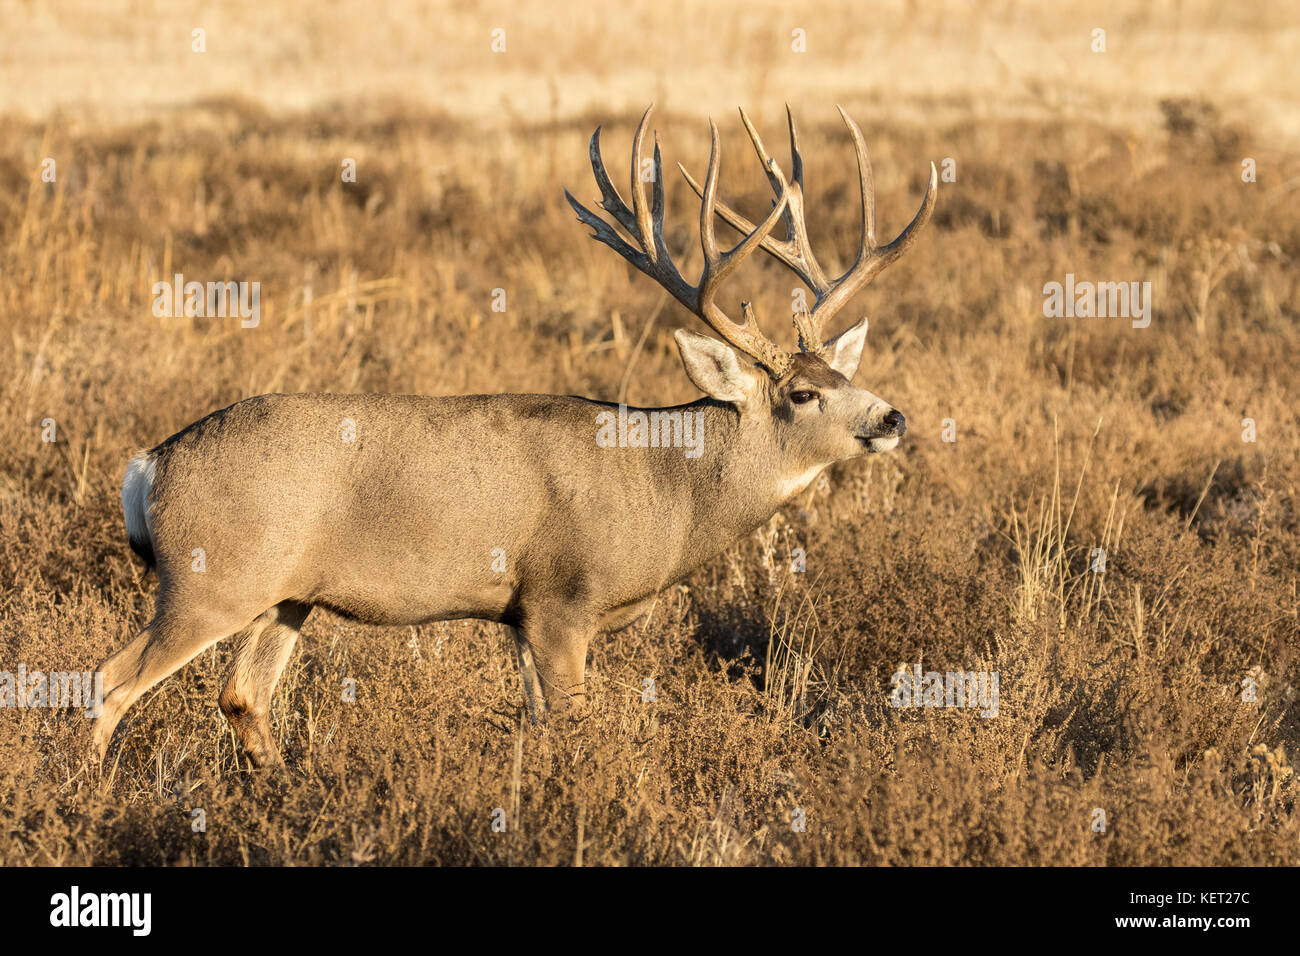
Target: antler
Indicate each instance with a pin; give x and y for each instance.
(646, 225)
(795, 252)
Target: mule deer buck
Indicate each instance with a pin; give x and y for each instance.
(502, 507)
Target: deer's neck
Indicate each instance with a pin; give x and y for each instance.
(742, 476)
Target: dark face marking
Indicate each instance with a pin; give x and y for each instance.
(820, 416)
(805, 387)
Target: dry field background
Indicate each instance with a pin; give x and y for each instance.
(1120, 691)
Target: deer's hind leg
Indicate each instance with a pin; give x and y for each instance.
(534, 697)
(263, 649)
(168, 642)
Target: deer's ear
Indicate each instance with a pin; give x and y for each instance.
(714, 368)
(844, 352)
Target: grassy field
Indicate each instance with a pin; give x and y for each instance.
(1120, 692)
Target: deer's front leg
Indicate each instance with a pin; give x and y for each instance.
(557, 644)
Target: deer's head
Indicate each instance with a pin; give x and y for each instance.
(815, 412)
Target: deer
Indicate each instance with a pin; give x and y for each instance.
(404, 509)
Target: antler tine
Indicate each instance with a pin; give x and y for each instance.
(708, 238)
(763, 156)
(809, 331)
(796, 157)
(644, 219)
(746, 334)
(807, 328)
(610, 201)
(795, 251)
(872, 258)
(866, 184)
(810, 325)
(812, 273)
(657, 202)
(644, 222)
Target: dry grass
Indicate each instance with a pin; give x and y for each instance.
(1119, 691)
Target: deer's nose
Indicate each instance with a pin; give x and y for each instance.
(895, 421)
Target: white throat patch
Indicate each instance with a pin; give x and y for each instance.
(792, 486)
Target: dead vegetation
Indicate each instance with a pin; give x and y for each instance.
(1120, 691)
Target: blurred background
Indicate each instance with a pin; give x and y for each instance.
(932, 61)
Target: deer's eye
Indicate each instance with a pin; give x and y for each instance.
(802, 397)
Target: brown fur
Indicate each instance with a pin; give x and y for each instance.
(401, 525)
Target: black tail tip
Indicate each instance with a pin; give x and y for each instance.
(145, 551)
